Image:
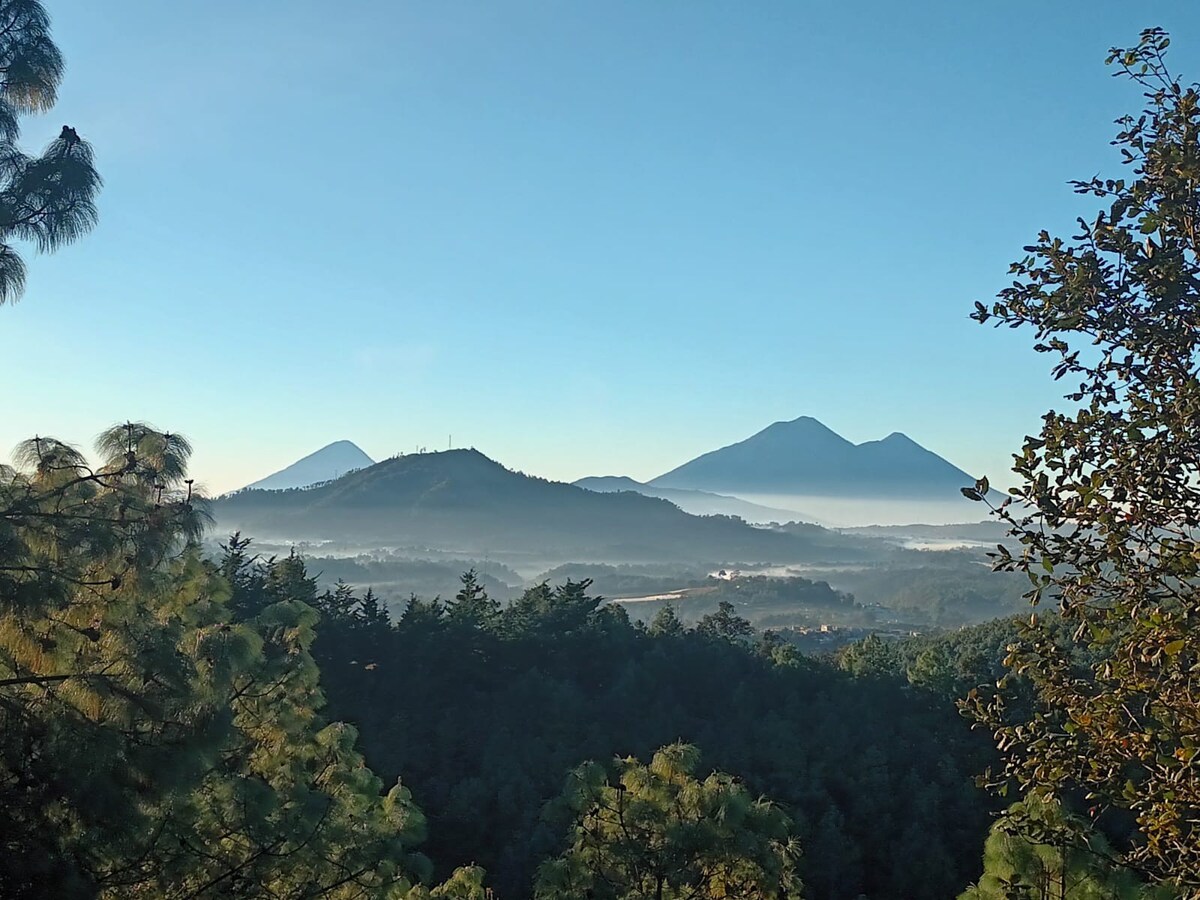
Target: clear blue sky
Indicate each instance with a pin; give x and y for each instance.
(586, 238)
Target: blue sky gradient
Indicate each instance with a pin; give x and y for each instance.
(584, 238)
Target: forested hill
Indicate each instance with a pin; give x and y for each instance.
(462, 500)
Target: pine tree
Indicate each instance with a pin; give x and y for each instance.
(46, 200)
(1039, 852)
(725, 624)
(154, 739)
(471, 605)
(871, 657)
(659, 833)
(666, 622)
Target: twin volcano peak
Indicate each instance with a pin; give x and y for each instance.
(805, 457)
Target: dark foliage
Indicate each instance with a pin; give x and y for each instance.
(485, 711)
(1108, 508)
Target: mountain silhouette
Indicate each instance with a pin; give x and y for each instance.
(326, 464)
(463, 501)
(698, 503)
(804, 457)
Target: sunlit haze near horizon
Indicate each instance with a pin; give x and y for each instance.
(584, 239)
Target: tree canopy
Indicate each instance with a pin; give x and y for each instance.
(658, 832)
(1037, 851)
(47, 200)
(485, 715)
(1107, 508)
(163, 722)
(159, 724)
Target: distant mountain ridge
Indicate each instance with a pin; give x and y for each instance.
(804, 457)
(330, 462)
(698, 503)
(464, 501)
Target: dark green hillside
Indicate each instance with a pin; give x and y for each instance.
(462, 500)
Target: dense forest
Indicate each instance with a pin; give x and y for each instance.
(178, 723)
(897, 589)
(483, 710)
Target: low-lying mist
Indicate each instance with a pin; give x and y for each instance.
(849, 512)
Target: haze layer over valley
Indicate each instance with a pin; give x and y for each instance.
(804, 465)
(575, 664)
(414, 522)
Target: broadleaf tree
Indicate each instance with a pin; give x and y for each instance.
(1108, 505)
